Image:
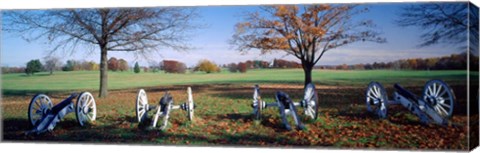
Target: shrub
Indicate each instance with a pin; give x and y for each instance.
(172, 66)
(154, 66)
(33, 66)
(242, 67)
(136, 68)
(260, 64)
(232, 67)
(112, 64)
(122, 65)
(281, 63)
(13, 70)
(207, 66)
(51, 63)
(92, 66)
(69, 66)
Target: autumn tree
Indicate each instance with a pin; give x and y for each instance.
(93, 66)
(242, 67)
(249, 64)
(207, 66)
(122, 65)
(137, 30)
(344, 67)
(443, 23)
(359, 67)
(112, 64)
(306, 32)
(281, 63)
(412, 63)
(232, 67)
(172, 66)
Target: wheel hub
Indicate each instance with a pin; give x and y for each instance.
(432, 100)
(375, 101)
(44, 111)
(84, 110)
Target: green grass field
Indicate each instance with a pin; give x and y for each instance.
(89, 80)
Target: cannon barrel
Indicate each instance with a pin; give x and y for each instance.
(405, 93)
(57, 108)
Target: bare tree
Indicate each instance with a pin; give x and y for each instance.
(51, 63)
(306, 32)
(138, 30)
(447, 23)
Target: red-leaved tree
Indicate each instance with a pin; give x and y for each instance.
(306, 32)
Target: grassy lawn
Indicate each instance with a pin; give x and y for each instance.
(223, 117)
(89, 80)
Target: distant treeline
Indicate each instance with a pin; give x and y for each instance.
(452, 62)
(276, 63)
(54, 64)
(174, 66)
(69, 65)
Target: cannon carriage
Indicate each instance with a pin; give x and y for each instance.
(43, 116)
(434, 106)
(287, 107)
(163, 108)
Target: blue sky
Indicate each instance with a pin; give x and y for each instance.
(211, 42)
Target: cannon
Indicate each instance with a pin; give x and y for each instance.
(434, 106)
(43, 116)
(287, 107)
(165, 105)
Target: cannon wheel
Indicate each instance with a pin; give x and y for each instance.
(257, 103)
(190, 104)
(38, 108)
(377, 99)
(440, 96)
(141, 105)
(311, 101)
(86, 108)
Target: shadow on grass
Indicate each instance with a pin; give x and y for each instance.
(9, 92)
(237, 117)
(15, 124)
(218, 85)
(328, 98)
(15, 128)
(69, 132)
(358, 115)
(36, 75)
(277, 126)
(266, 93)
(165, 88)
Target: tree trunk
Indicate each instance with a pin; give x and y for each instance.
(308, 75)
(103, 73)
(307, 70)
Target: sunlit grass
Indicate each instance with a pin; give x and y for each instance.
(89, 80)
